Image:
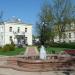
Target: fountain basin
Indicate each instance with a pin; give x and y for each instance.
(42, 65)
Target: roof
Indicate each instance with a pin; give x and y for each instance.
(15, 20)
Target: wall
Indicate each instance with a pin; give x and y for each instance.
(14, 29)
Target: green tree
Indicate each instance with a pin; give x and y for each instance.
(53, 19)
(63, 12)
(44, 24)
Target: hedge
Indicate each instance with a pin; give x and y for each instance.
(8, 47)
(63, 45)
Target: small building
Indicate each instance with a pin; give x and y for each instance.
(15, 31)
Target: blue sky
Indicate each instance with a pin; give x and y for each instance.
(27, 10)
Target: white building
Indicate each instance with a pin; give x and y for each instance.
(68, 35)
(16, 31)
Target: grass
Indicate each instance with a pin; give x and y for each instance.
(50, 50)
(12, 53)
(21, 51)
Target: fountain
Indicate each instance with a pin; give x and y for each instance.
(43, 61)
(42, 52)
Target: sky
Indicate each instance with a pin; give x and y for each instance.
(26, 10)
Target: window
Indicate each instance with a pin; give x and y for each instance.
(25, 29)
(10, 37)
(26, 40)
(10, 29)
(18, 29)
(69, 35)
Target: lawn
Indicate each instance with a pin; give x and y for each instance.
(13, 53)
(22, 50)
(50, 50)
(56, 50)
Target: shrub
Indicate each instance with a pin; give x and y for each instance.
(0, 48)
(64, 45)
(53, 51)
(12, 47)
(8, 47)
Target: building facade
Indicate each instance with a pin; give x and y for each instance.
(68, 35)
(15, 31)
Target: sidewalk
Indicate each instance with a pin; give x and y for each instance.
(31, 51)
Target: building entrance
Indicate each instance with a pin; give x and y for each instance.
(21, 41)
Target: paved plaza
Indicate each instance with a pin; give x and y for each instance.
(31, 51)
(6, 71)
